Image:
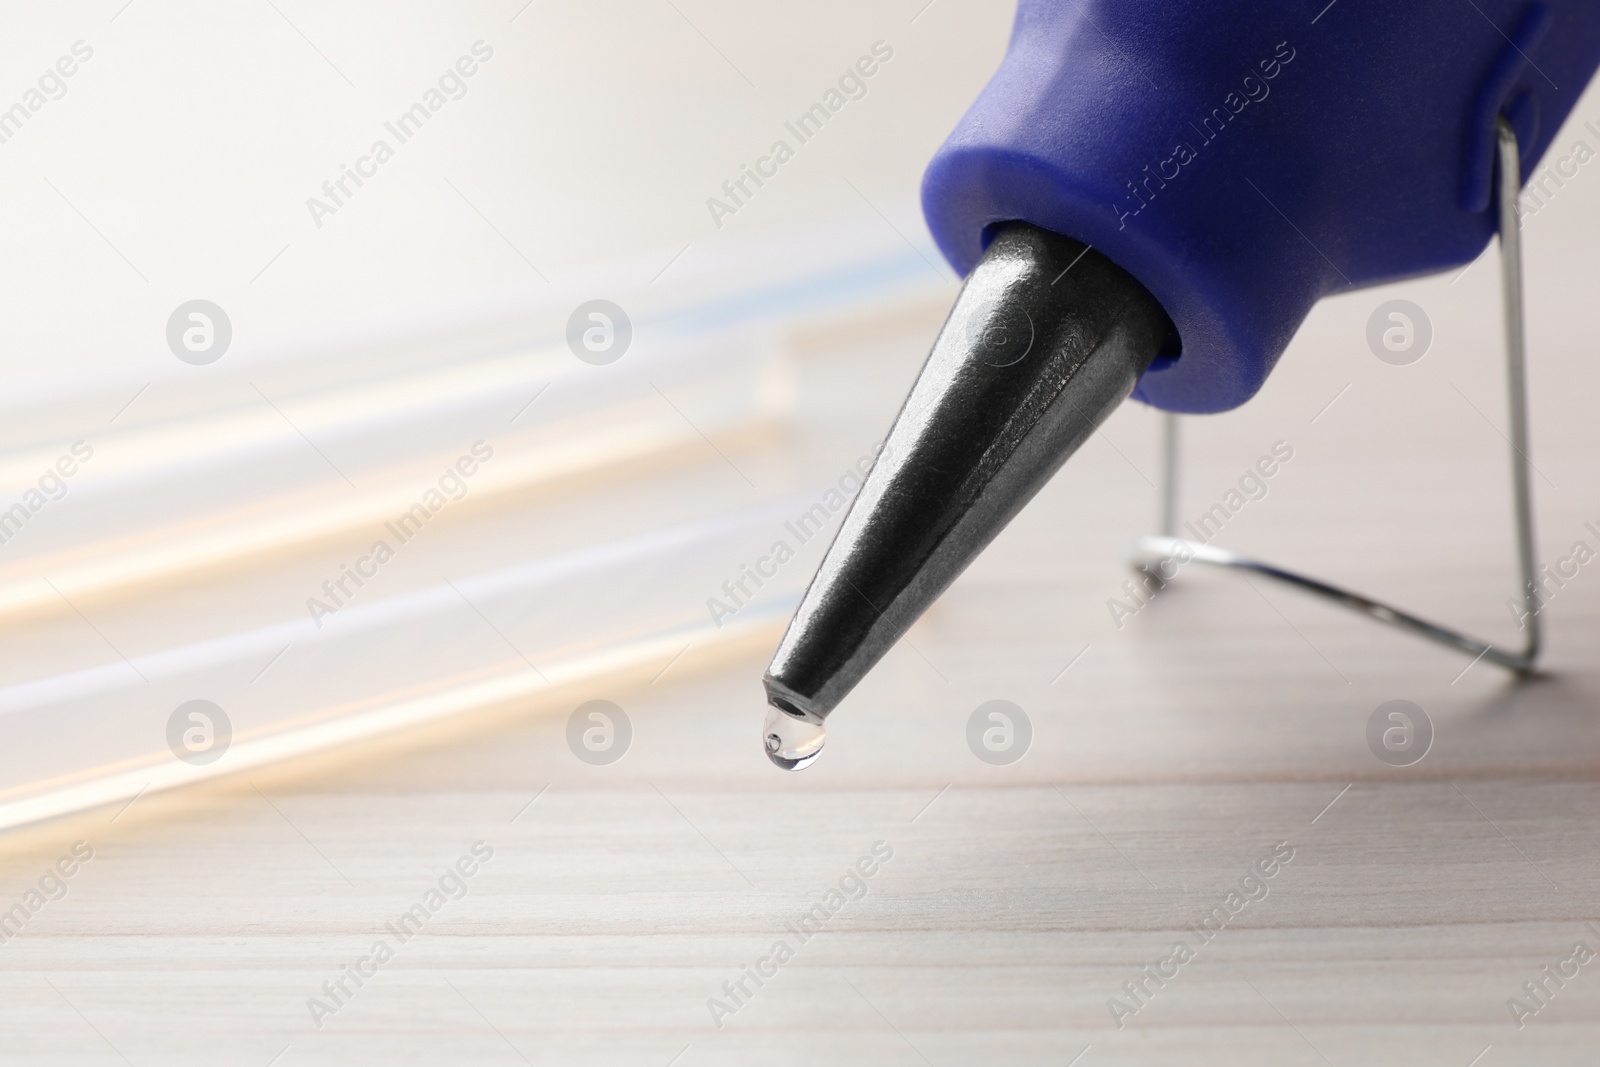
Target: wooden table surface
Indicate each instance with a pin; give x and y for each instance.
(619, 905)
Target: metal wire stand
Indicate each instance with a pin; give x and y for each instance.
(1153, 551)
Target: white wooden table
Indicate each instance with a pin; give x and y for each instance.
(1223, 719)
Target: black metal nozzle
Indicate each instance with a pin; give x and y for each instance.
(1046, 338)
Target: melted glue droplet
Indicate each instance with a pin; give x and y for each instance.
(791, 742)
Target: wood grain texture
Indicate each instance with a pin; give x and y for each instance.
(1220, 720)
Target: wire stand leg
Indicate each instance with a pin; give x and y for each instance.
(1157, 553)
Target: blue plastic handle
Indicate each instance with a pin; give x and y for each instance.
(1243, 158)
